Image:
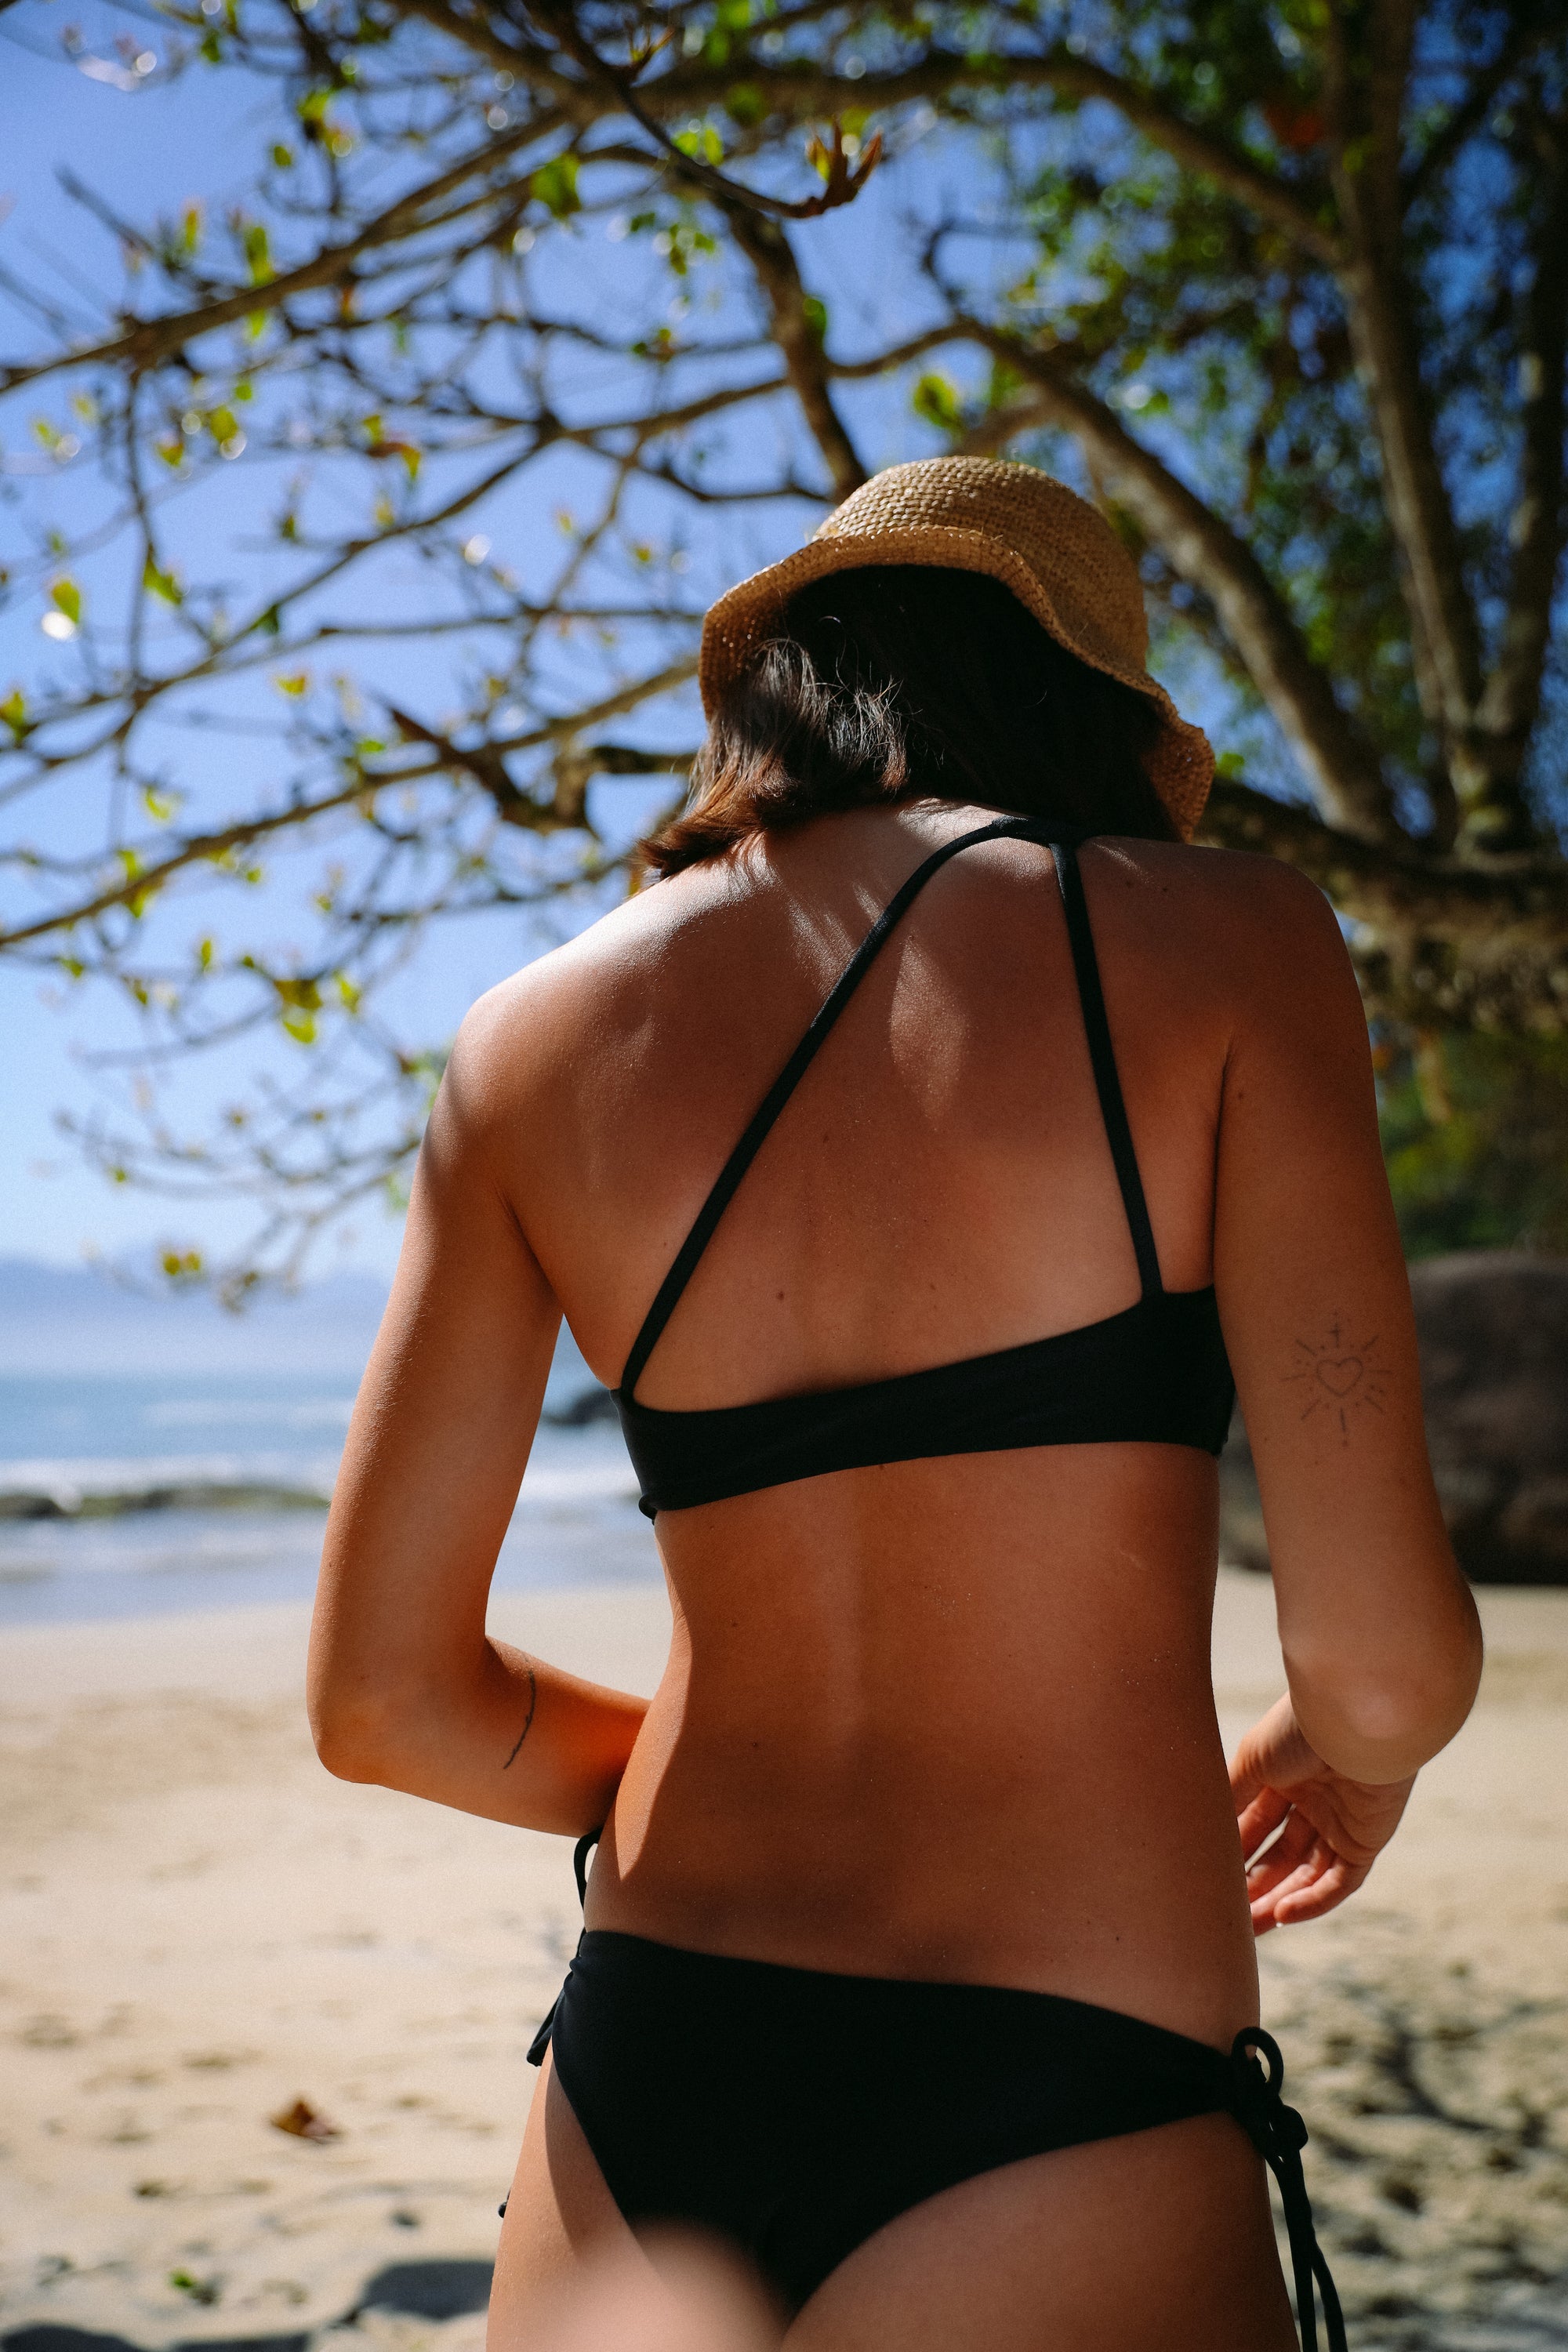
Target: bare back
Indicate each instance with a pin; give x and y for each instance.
(927, 1719)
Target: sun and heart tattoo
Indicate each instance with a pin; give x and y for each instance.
(1339, 1376)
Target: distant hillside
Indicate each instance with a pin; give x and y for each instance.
(74, 1320)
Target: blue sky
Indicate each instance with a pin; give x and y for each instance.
(150, 152)
(201, 137)
(152, 149)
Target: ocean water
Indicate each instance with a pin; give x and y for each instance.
(118, 1453)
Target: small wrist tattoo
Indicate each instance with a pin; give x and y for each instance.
(1339, 1376)
(527, 1718)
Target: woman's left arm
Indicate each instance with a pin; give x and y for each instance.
(405, 1686)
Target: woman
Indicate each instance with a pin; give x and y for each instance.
(920, 1938)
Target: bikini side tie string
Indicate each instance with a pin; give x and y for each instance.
(541, 2042)
(1279, 2134)
(580, 1853)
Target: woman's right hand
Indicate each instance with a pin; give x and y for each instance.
(1332, 1829)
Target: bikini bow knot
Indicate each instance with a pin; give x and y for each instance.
(1274, 2128)
(1279, 2134)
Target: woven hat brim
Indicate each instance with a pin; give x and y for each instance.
(1180, 762)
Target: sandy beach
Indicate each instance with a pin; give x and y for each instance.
(202, 1929)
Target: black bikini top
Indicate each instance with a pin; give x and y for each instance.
(1156, 1373)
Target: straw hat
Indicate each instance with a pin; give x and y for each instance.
(1059, 557)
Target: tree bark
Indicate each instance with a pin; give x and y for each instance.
(1366, 87)
(1512, 696)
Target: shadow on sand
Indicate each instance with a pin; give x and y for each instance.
(433, 2290)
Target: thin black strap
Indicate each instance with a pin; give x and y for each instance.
(541, 2042)
(580, 1853)
(789, 1077)
(1279, 2135)
(1102, 1053)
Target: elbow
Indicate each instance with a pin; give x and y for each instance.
(351, 1736)
(1379, 1734)
(1382, 1727)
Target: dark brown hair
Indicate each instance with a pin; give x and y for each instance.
(903, 682)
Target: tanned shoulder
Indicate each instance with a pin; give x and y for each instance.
(517, 1039)
(1260, 926)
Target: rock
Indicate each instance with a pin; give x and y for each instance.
(66, 1502)
(1493, 1333)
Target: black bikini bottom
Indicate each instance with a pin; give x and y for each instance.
(793, 2113)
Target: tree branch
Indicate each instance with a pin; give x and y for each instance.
(1522, 37)
(484, 766)
(150, 341)
(1338, 764)
(843, 180)
(1514, 905)
(555, 731)
(1512, 693)
(809, 92)
(196, 850)
(800, 343)
(576, 766)
(477, 32)
(1365, 94)
(802, 91)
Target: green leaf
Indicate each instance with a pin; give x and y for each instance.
(816, 315)
(701, 142)
(161, 583)
(14, 711)
(258, 253)
(137, 903)
(67, 598)
(935, 398)
(555, 186)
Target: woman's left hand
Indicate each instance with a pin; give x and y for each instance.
(1332, 1829)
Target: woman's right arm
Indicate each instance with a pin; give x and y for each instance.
(1380, 1635)
(406, 1686)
